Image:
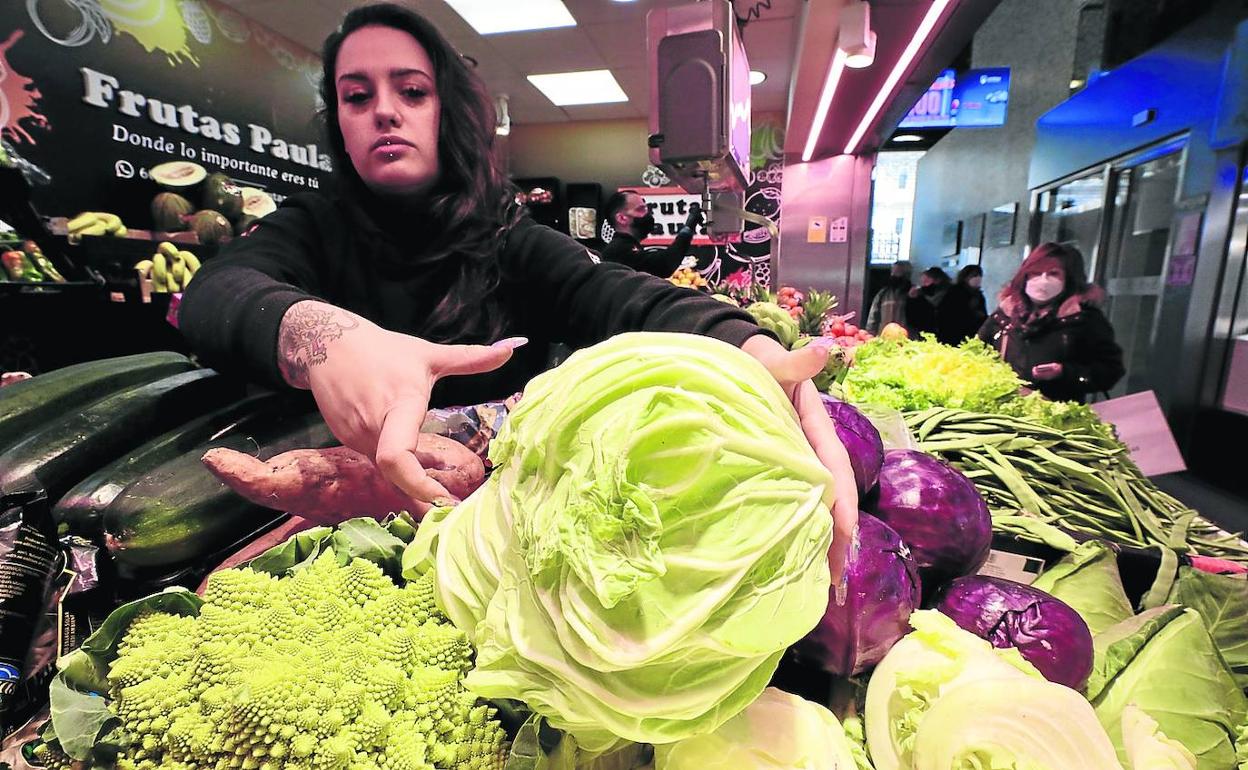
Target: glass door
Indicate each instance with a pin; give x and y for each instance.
(1132, 270)
(1071, 213)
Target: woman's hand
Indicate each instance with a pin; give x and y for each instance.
(794, 370)
(373, 386)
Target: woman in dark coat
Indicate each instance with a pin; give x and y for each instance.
(964, 308)
(1049, 329)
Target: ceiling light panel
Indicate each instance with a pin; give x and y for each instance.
(492, 17)
(566, 89)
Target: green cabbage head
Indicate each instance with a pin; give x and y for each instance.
(653, 537)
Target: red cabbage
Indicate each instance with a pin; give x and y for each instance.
(938, 513)
(861, 440)
(883, 589)
(1047, 631)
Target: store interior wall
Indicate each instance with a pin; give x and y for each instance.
(827, 190)
(973, 170)
(612, 153)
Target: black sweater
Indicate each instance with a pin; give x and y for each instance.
(627, 250)
(552, 290)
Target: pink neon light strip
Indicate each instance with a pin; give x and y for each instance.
(835, 70)
(921, 34)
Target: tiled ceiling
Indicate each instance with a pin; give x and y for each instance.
(608, 34)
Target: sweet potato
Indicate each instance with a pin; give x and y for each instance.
(330, 485)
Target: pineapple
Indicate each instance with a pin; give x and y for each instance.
(817, 306)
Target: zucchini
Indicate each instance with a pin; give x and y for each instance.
(179, 513)
(28, 405)
(81, 510)
(70, 448)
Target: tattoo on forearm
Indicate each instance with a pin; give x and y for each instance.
(307, 330)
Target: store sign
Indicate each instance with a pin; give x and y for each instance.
(96, 92)
(670, 206)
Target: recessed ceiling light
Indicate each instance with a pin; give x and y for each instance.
(570, 88)
(907, 138)
(757, 76)
(490, 17)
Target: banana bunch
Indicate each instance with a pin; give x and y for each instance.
(170, 269)
(95, 223)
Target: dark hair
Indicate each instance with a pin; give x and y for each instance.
(969, 272)
(1071, 261)
(937, 275)
(614, 205)
(472, 201)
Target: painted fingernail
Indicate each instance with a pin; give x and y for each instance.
(446, 502)
(511, 343)
(823, 344)
(842, 590)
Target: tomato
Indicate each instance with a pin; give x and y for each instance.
(837, 329)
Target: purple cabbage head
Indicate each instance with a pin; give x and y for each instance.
(937, 511)
(861, 440)
(883, 589)
(1047, 631)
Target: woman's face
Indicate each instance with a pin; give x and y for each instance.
(1052, 272)
(388, 110)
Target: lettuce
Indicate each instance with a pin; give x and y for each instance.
(652, 539)
(1164, 663)
(1088, 580)
(920, 374)
(778, 731)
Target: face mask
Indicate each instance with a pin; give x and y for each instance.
(1043, 288)
(931, 289)
(643, 225)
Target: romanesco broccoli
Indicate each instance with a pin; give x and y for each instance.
(334, 668)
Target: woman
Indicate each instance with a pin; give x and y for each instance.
(923, 308)
(421, 267)
(964, 308)
(1049, 329)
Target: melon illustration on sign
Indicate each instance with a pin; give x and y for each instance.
(170, 211)
(178, 174)
(210, 226)
(197, 21)
(221, 194)
(257, 203)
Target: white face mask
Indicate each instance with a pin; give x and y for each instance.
(1043, 288)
